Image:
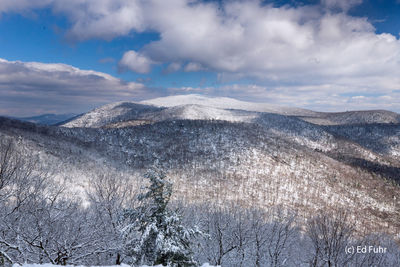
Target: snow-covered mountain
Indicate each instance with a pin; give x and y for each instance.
(191, 107)
(325, 118)
(129, 113)
(224, 103)
(111, 113)
(353, 117)
(197, 107)
(222, 151)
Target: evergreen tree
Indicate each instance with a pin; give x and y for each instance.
(154, 234)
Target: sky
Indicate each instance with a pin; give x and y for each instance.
(70, 56)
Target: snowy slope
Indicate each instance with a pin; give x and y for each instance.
(195, 107)
(273, 160)
(223, 103)
(121, 114)
(321, 118)
(200, 112)
(220, 149)
(111, 113)
(354, 117)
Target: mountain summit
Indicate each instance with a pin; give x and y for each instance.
(198, 107)
(227, 151)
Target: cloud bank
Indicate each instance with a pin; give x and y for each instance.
(317, 52)
(59, 88)
(306, 45)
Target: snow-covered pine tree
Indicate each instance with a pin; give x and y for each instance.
(154, 234)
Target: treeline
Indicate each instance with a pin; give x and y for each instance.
(41, 222)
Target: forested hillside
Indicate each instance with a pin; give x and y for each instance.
(229, 168)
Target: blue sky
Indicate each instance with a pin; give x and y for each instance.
(70, 56)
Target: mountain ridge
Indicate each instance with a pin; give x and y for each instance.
(48, 119)
(218, 108)
(220, 155)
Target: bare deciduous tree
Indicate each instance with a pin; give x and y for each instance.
(329, 234)
(108, 195)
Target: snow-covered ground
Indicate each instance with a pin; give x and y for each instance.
(222, 103)
(198, 107)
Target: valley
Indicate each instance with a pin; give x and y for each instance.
(225, 152)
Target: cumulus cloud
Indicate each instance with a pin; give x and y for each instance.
(136, 62)
(193, 66)
(273, 44)
(103, 19)
(173, 67)
(310, 46)
(32, 87)
(304, 45)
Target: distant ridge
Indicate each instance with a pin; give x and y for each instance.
(198, 107)
(49, 119)
(220, 150)
(224, 103)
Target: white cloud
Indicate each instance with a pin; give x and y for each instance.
(104, 19)
(173, 67)
(306, 46)
(297, 45)
(303, 46)
(136, 62)
(35, 87)
(193, 66)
